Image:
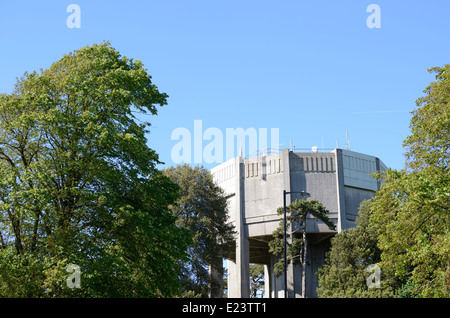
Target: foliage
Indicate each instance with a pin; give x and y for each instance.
(256, 280)
(411, 209)
(344, 273)
(407, 232)
(295, 212)
(79, 185)
(201, 209)
(428, 144)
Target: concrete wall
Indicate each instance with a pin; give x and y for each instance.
(263, 183)
(315, 173)
(358, 184)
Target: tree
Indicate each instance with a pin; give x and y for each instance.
(298, 249)
(411, 209)
(201, 209)
(78, 183)
(256, 279)
(344, 274)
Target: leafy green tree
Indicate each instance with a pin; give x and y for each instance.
(78, 183)
(201, 209)
(412, 208)
(297, 212)
(344, 274)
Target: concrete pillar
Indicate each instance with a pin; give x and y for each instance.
(239, 271)
(232, 279)
(267, 281)
(242, 270)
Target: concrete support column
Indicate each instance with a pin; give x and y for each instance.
(239, 271)
(232, 279)
(267, 281)
(242, 270)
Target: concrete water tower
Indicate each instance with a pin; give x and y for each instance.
(339, 179)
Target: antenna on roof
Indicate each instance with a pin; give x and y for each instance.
(348, 143)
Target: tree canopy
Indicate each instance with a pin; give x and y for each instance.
(344, 274)
(412, 208)
(203, 210)
(407, 231)
(78, 183)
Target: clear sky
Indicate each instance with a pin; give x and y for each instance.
(312, 69)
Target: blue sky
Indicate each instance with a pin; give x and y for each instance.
(312, 69)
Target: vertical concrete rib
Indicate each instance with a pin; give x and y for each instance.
(242, 287)
(342, 218)
(287, 187)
